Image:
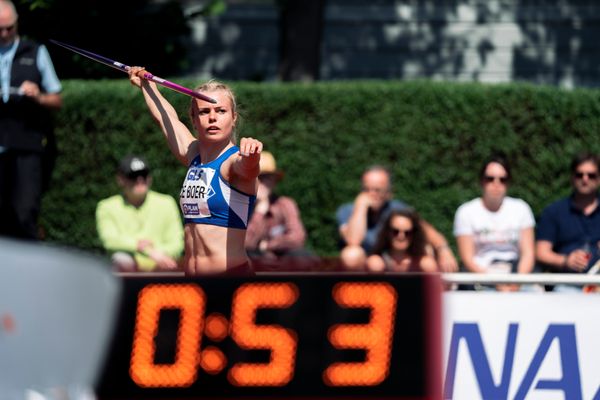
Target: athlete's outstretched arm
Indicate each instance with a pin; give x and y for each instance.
(178, 136)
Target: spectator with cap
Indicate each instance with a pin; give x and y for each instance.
(140, 228)
(276, 235)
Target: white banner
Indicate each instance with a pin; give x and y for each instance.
(521, 346)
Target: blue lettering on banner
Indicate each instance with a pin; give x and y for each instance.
(570, 383)
(472, 336)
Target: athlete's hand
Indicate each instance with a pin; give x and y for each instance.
(251, 148)
(246, 164)
(136, 74)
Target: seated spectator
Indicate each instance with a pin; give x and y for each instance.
(495, 232)
(276, 236)
(568, 232)
(360, 222)
(401, 245)
(141, 228)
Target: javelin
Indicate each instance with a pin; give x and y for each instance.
(126, 68)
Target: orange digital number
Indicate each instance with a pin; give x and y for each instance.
(190, 300)
(375, 337)
(280, 341)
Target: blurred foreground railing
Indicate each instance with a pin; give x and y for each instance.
(536, 279)
(454, 278)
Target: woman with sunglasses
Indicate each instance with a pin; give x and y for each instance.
(495, 232)
(401, 245)
(219, 190)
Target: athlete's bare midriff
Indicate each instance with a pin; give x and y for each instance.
(213, 249)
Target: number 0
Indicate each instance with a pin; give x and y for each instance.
(375, 337)
(190, 300)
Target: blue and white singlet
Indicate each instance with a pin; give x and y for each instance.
(206, 198)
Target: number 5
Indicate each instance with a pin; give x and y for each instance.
(281, 341)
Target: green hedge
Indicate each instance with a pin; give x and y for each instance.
(434, 136)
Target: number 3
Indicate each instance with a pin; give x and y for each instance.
(375, 337)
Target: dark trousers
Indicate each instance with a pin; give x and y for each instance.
(20, 193)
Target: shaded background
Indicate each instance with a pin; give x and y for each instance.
(539, 41)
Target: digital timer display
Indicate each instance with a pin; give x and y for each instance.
(277, 336)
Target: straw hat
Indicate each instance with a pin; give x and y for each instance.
(268, 166)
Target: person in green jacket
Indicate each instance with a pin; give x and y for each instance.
(140, 228)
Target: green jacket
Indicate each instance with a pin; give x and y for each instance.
(120, 226)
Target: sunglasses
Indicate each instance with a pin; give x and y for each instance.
(135, 175)
(590, 175)
(396, 232)
(490, 179)
(7, 28)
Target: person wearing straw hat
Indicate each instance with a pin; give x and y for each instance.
(275, 233)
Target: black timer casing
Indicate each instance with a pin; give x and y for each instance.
(319, 335)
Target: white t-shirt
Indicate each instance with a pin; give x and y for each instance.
(496, 234)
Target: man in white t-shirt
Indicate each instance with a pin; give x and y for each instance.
(494, 232)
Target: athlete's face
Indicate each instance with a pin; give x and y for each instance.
(214, 122)
(8, 26)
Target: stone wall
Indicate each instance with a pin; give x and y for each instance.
(540, 41)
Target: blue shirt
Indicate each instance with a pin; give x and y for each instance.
(568, 229)
(50, 82)
(374, 224)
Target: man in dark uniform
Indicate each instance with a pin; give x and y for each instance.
(30, 91)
